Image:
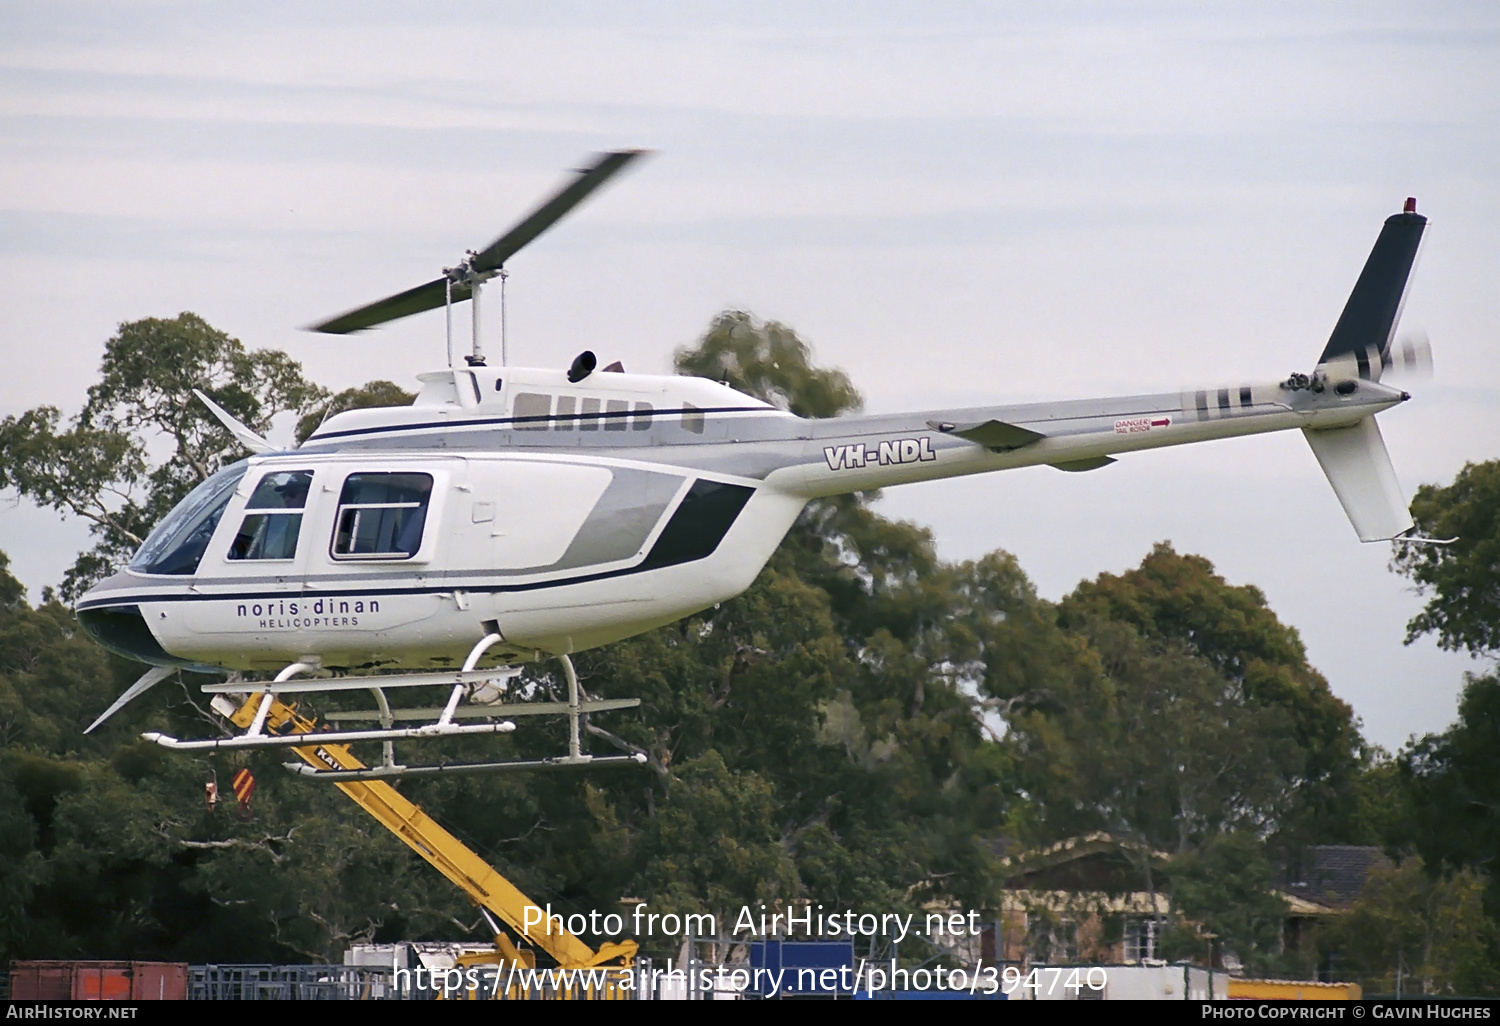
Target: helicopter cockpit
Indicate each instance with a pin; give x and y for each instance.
(177, 545)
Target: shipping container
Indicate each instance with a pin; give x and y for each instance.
(78, 980)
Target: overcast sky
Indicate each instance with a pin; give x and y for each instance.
(957, 203)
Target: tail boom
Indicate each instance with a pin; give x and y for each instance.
(862, 453)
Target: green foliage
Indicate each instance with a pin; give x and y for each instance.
(1179, 600)
(1413, 931)
(90, 472)
(1226, 887)
(21, 865)
(715, 842)
(12, 591)
(1383, 802)
(1453, 785)
(1463, 578)
(770, 362)
(1142, 709)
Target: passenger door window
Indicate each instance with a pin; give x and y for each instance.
(273, 517)
(381, 516)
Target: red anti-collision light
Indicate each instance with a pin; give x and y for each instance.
(1411, 205)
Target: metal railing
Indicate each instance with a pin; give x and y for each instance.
(291, 983)
(260, 982)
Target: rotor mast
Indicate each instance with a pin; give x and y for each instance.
(472, 281)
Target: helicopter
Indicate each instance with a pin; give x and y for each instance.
(513, 514)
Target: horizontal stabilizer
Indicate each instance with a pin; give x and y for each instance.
(997, 435)
(1359, 468)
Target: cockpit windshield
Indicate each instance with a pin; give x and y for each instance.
(178, 543)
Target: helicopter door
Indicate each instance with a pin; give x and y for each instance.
(375, 544)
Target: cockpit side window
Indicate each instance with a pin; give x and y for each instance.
(273, 517)
(381, 516)
(178, 543)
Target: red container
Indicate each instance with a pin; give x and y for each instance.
(159, 981)
(98, 981)
(49, 981)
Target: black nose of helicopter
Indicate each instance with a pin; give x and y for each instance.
(123, 630)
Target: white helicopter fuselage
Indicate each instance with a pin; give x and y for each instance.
(566, 515)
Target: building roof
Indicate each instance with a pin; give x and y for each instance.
(1094, 863)
(1106, 873)
(1332, 875)
(1084, 902)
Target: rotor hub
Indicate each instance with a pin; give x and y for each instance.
(465, 274)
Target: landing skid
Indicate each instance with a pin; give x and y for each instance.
(270, 723)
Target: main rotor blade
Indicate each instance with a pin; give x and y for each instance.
(605, 167)
(424, 297)
(431, 295)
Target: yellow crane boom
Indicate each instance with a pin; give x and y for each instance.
(447, 854)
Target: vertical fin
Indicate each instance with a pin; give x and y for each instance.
(1362, 338)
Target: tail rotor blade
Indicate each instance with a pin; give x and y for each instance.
(1410, 357)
